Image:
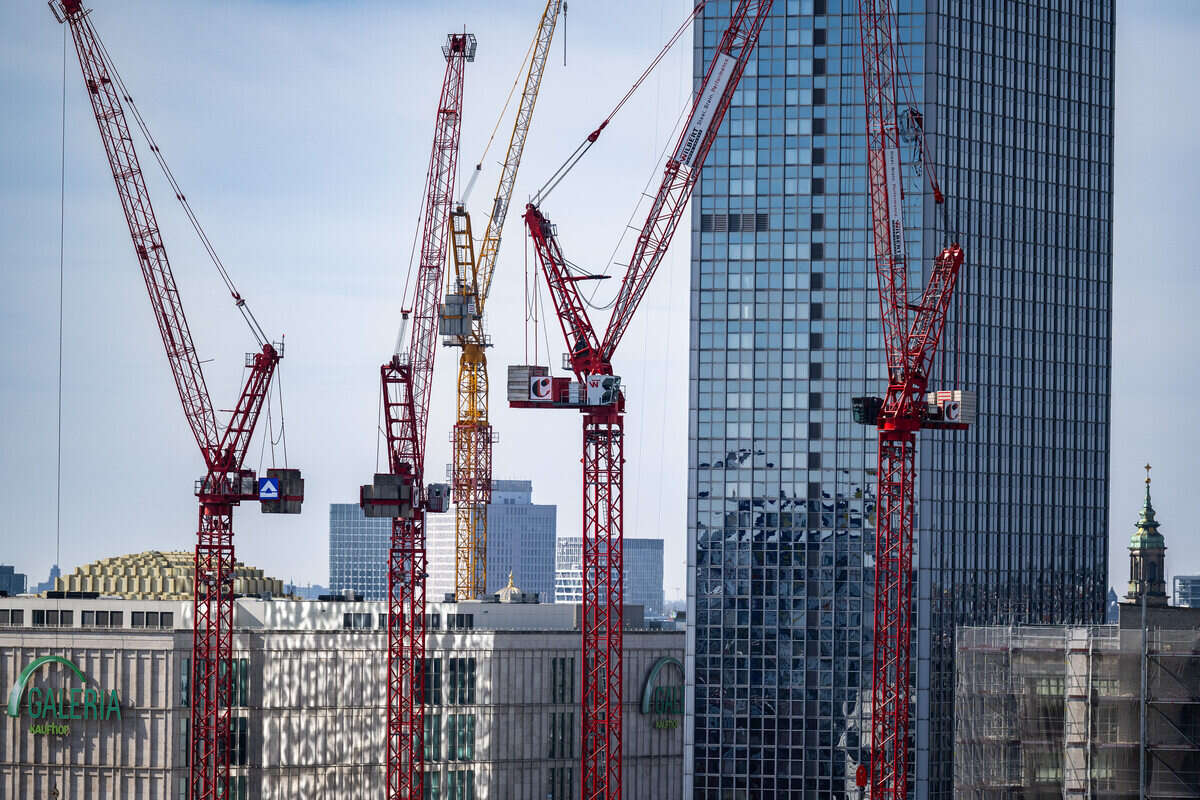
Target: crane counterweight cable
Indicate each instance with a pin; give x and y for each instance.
(556, 178)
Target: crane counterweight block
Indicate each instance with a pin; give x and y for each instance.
(389, 496)
(282, 492)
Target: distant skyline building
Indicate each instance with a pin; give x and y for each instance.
(521, 536)
(1186, 590)
(49, 583)
(1017, 102)
(642, 580)
(358, 551)
(11, 581)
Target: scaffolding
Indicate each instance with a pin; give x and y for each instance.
(1058, 712)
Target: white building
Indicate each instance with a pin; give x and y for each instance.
(502, 713)
(643, 572)
(521, 537)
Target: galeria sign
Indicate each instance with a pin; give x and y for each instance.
(51, 710)
(662, 699)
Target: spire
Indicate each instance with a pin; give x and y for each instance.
(1147, 557)
(1147, 535)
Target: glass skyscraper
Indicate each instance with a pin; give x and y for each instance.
(521, 535)
(1016, 100)
(641, 579)
(358, 551)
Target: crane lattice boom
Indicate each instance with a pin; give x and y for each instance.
(226, 483)
(603, 406)
(473, 436)
(911, 332)
(401, 494)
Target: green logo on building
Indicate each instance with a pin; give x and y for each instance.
(52, 709)
(663, 700)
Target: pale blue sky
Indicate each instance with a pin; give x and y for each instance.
(300, 132)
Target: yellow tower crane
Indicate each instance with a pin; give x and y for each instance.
(462, 326)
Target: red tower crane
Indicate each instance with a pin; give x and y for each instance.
(226, 482)
(911, 330)
(597, 394)
(400, 493)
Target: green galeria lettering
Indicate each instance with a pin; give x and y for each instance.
(659, 699)
(77, 702)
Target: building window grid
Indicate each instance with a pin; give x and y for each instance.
(718, 424)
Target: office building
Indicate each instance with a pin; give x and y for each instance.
(308, 707)
(642, 580)
(521, 537)
(11, 581)
(358, 551)
(1185, 590)
(1017, 104)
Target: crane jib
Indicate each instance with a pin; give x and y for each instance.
(724, 66)
(891, 166)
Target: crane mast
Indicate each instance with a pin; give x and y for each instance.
(462, 324)
(400, 493)
(226, 483)
(598, 397)
(911, 332)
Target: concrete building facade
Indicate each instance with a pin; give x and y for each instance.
(642, 580)
(501, 701)
(1017, 103)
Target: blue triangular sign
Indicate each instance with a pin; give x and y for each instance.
(268, 488)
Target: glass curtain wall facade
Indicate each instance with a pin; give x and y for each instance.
(358, 551)
(1012, 520)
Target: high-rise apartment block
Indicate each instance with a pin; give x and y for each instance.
(642, 581)
(1016, 101)
(520, 540)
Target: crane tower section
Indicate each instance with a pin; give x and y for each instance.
(226, 483)
(400, 494)
(911, 331)
(462, 327)
(597, 394)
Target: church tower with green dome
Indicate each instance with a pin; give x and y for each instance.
(1147, 557)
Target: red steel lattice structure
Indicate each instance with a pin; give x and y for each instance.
(226, 483)
(405, 382)
(603, 434)
(911, 331)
